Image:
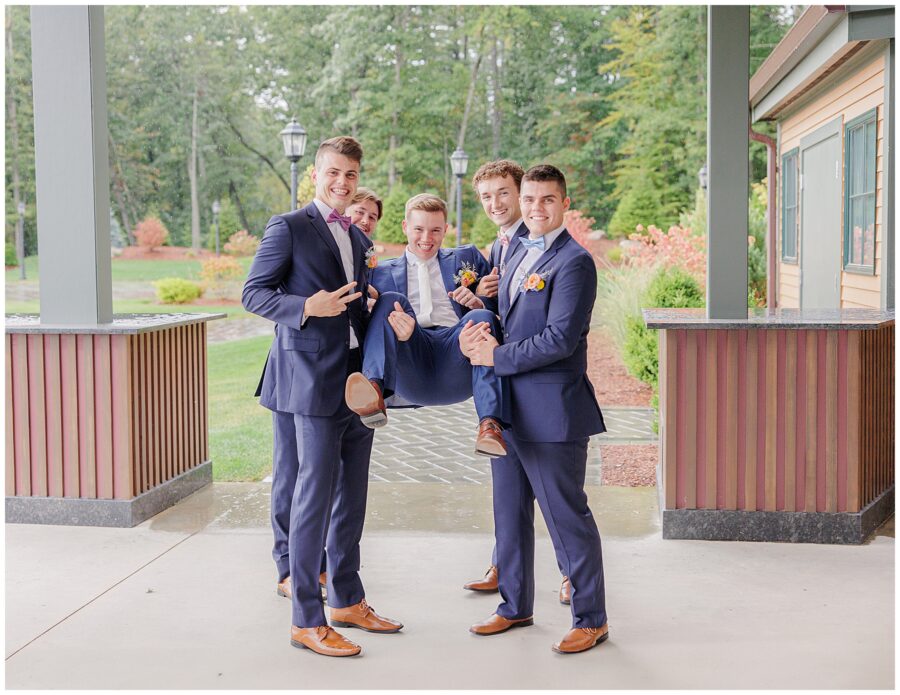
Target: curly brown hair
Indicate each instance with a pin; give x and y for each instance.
(498, 168)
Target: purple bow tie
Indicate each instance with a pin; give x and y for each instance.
(335, 216)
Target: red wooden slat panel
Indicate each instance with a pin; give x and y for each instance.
(86, 442)
(10, 428)
(122, 397)
(37, 416)
(71, 416)
(103, 416)
(53, 400)
(21, 425)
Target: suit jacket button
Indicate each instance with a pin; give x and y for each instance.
(506, 335)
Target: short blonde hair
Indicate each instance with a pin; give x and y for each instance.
(427, 202)
(363, 193)
(343, 144)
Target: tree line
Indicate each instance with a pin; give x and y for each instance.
(614, 95)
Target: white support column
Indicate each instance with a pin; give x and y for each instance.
(727, 143)
(72, 164)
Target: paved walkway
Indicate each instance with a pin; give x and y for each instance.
(422, 445)
(187, 600)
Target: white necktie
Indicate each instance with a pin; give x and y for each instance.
(425, 304)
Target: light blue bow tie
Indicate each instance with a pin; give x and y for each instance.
(532, 243)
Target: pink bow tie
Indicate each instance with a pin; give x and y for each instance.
(504, 240)
(335, 216)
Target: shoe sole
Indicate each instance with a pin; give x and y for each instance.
(360, 395)
(600, 640)
(521, 623)
(341, 623)
(482, 591)
(374, 421)
(300, 645)
(497, 452)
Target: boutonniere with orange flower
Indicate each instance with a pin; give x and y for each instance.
(371, 258)
(535, 282)
(466, 276)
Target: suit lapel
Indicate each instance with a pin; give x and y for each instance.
(447, 263)
(542, 261)
(513, 258)
(398, 272)
(514, 242)
(359, 250)
(322, 228)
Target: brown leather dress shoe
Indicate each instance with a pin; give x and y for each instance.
(580, 639)
(362, 616)
(489, 441)
(489, 583)
(323, 640)
(565, 592)
(365, 399)
(284, 587)
(497, 624)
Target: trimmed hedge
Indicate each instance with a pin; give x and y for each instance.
(176, 290)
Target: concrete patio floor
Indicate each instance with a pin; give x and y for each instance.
(187, 600)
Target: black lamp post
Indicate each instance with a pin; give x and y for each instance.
(20, 238)
(294, 139)
(459, 160)
(216, 209)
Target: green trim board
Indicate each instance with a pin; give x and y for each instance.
(790, 159)
(860, 188)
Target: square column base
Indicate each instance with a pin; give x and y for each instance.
(75, 511)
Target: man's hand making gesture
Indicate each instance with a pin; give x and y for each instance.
(324, 303)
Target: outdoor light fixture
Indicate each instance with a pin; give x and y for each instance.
(216, 209)
(459, 160)
(294, 139)
(703, 176)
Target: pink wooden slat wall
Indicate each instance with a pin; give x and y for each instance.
(104, 416)
(776, 420)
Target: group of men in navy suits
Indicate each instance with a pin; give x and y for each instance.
(434, 326)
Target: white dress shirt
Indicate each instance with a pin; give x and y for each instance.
(342, 239)
(509, 233)
(442, 313)
(530, 260)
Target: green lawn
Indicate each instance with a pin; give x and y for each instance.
(133, 270)
(240, 430)
(141, 306)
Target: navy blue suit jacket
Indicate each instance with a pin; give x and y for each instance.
(544, 351)
(391, 276)
(494, 258)
(307, 366)
(513, 245)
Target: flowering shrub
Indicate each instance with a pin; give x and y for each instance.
(151, 233)
(219, 273)
(578, 226)
(241, 244)
(176, 290)
(677, 248)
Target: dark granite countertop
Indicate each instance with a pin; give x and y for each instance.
(785, 319)
(122, 323)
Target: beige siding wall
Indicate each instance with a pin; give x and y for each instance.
(856, 94)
